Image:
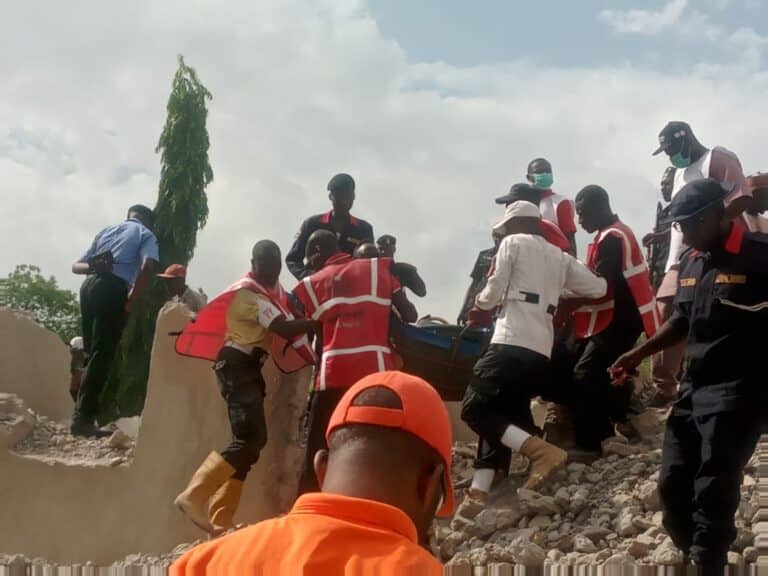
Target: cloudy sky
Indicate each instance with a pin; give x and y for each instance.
(435, 107)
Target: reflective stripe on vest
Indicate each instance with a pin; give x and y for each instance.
(591, 320)
(363, 292)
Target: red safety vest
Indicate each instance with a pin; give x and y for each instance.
(204, 336)
(594, 318)
(353, 299)
(554, 235)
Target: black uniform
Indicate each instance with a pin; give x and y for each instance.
(595, 401)
(243, 388)
(722, 301)
(659, 251)
(355, 232)
(479, 277)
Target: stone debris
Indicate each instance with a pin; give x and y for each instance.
(16, 421)
(604, 513)
(34, 436)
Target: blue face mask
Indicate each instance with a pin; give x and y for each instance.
(543, 180)
(680, 161)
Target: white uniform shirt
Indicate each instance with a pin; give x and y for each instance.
(528, 279)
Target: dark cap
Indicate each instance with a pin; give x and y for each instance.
(524, 192)
(341, 183)
(694, 198)
(671, 132)
(386, 240)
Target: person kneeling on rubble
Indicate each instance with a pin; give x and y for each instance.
(254, 315)
(529, 277)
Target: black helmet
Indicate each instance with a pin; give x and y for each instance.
(341, 183)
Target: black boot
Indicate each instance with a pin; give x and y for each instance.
(87, 429)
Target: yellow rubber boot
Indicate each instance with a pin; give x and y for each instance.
(223, 506)
(545, 458)
(212, 473)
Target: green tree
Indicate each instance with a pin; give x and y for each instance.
(181, 211)
(26, 289)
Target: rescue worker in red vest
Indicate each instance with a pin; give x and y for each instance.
(553, 207)
(528, 279)
(350, 231)
(610, 326)
(352, 299)
(721, 307)
(213, 493)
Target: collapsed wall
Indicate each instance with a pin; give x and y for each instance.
(73, 513)
(35, 365)
(67, 512)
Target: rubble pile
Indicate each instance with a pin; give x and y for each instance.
(605, 513)
(131, 564)
(34, 436)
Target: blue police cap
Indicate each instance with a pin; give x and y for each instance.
(694, 198)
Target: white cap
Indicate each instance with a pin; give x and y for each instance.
(519, 209)
(76, 343)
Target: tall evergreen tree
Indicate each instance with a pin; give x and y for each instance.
(181, 210)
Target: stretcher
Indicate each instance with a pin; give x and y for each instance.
(442, 354)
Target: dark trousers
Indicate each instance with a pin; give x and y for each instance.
(321, 406)
(242, 387)
(499, 394)
(595, 402)
(102, 307)
(699, 483)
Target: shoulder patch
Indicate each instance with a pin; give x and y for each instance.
(687, 282)
(731, 279)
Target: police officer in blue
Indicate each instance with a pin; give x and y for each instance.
(350, 231)
(721, 308)
(118, 265)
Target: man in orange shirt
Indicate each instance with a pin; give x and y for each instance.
(384, 477)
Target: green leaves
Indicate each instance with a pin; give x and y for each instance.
(26, 289)
(181, 211)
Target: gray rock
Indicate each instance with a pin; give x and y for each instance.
(639, 548)
(612, 446)
(667, 554)
(595, 533)
(120, 440)
(540, 522)
(624, 523)
(554, 556)
(751, 553)
(583, 544)
(562, 498)
(534, 503)
(526, 552)
(618, 560)
(648, 494)
(448, 547)
(16, 421)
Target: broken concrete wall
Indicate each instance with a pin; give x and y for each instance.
(77, 514)
(71, 513)
(35, 365)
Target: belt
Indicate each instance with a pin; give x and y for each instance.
(250, 350)
(531, 298)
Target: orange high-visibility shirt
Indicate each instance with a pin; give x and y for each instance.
(323, 535)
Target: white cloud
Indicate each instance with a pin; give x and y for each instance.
(303, 90)
(647, 22)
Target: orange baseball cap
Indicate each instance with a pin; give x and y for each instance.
(174, 271)
(423, 414)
